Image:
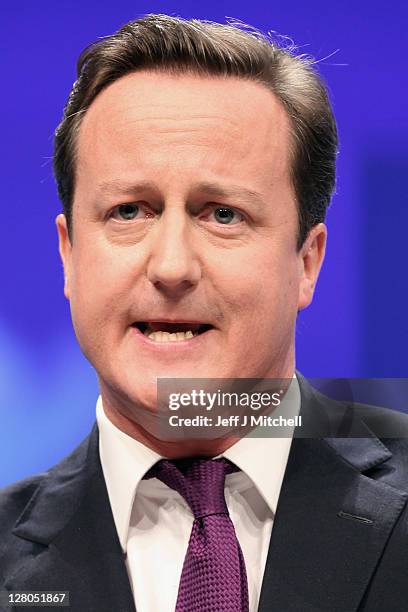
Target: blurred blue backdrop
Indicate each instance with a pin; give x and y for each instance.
(357, 324)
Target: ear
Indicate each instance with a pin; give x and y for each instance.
(310, 261)
(65, 251)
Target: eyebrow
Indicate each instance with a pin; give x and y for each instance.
(119, 187)
(234, 192)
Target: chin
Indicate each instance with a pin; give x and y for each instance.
(145, 398)
(183, 370)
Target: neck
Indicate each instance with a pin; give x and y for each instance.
(172, 449)
(140, 423)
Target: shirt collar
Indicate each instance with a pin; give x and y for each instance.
(125, 461)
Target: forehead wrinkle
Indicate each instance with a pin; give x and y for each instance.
(208, 126)
(181, 131)
(181, 117)
(155, 111)
(138, 87)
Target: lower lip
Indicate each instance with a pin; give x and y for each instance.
(171, 346)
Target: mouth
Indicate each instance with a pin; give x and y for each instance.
(175, 331)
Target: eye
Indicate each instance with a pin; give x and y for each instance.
(226, 216)
(129, 212)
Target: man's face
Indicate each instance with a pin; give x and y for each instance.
(184, 217)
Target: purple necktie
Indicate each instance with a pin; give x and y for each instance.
(213, 578)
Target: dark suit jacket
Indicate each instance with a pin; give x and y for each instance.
(339, 540)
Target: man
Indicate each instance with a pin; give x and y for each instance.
(195, 163)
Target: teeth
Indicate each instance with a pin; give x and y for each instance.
(162, 336)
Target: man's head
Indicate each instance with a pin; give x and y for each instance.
(181, 178)
(175, 45)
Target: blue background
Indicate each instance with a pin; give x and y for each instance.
(357, 324)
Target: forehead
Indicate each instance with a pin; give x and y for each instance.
(145, 117)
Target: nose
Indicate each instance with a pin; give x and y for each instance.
(173, 266)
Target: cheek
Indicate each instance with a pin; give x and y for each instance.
(259, 282)
(99, 290)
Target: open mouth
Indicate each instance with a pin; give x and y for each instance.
(161, 331)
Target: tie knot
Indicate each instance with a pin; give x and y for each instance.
(200, 481)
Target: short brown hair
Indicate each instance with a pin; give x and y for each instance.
(173, 44)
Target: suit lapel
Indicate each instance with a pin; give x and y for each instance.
(68, 527)
(332, 521)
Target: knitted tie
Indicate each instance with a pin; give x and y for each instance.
(213, 578)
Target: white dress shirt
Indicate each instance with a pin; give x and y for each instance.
(154, 522)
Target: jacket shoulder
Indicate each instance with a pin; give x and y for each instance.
(15, 497)
(42, 503)
(331, 411)
(19, 496)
